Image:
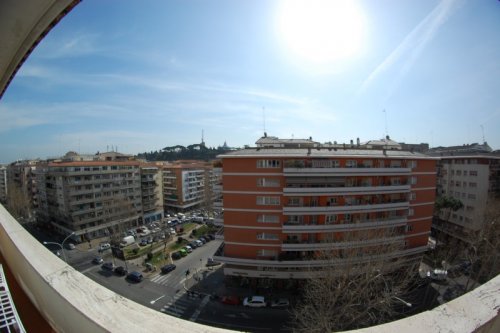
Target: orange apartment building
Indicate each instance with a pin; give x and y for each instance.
(283, 206)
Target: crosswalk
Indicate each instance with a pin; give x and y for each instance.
(161, 279)
(176, 306)
(179, 304)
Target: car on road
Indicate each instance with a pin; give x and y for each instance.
(168, 268)
(231, 300)
(255, 301)
(108, 266)
(134, 276)
(97, 260)
(176, 255)
(120, 270)
(280, 303)
(183, 252)
(104, 247)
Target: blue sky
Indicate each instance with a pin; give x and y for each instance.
(142, 75)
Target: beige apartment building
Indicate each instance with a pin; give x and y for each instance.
(3, 184)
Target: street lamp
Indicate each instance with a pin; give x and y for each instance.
(61, 245)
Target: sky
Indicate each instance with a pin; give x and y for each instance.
(143, 75)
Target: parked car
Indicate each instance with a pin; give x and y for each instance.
(71, 246)
(198, 242)
(108, 266)
(231, 300)
(211, 236)
(150, 240)
(143, 242)
(255, 301)
(97, 260)
(176, 255)
(203, 240)
(120, 270)
(104, 246)
(134, 276)
(438, 274)
(172, 231)
(188, 249)
(183, 252)
(280, 303)
(193, 245)
(168, 268)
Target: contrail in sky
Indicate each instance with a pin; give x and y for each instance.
(414, 43)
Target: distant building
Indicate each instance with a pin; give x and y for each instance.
(3, 184)
(283, 206)
(415, 147)
(151, 192)
(471, 174)
(22, 175)
(187, 185)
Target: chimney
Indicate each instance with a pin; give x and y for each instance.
(357, 141)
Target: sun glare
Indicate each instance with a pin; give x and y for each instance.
(321, 32)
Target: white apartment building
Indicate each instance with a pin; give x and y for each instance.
(471, 176)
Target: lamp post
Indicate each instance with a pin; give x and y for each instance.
(61, 245)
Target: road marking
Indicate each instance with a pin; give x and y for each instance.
(154, 301)
(198, 311)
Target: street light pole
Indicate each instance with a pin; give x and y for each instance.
(61, 245)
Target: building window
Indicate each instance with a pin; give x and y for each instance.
(265, 236)
(295, 219)
(268, 182)
(347, 217)
(351, 164)
(471, 197)
(472, 184)
(268, 218)
(465, 172)
(331, 201)
(459, 172)
(395, 181)
(411, 212)
(395, 164)
(470, 208)
(268, 201)
(409, 228)
(413, 164)
(457, 184)
(295, 202)
(413, 196)
(368, 163)
(330, 219)
(413, 180)
(321, 163)
(268, 164)
(473, 173)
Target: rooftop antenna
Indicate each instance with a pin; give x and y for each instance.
(264, 119)
(386, 132)
(482, 130)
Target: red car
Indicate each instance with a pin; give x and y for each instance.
(231, 300)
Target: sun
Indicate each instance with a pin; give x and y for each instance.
(321, 31)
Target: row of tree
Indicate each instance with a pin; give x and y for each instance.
(192, 152)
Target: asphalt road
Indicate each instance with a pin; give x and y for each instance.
(167, 293)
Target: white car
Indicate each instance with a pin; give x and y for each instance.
(255, 301)
(172, 231)
(280, 303)
(104, 246)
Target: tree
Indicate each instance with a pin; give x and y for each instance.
(359, 287)
(445, 205)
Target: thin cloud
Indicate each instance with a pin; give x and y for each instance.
(413, 45)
